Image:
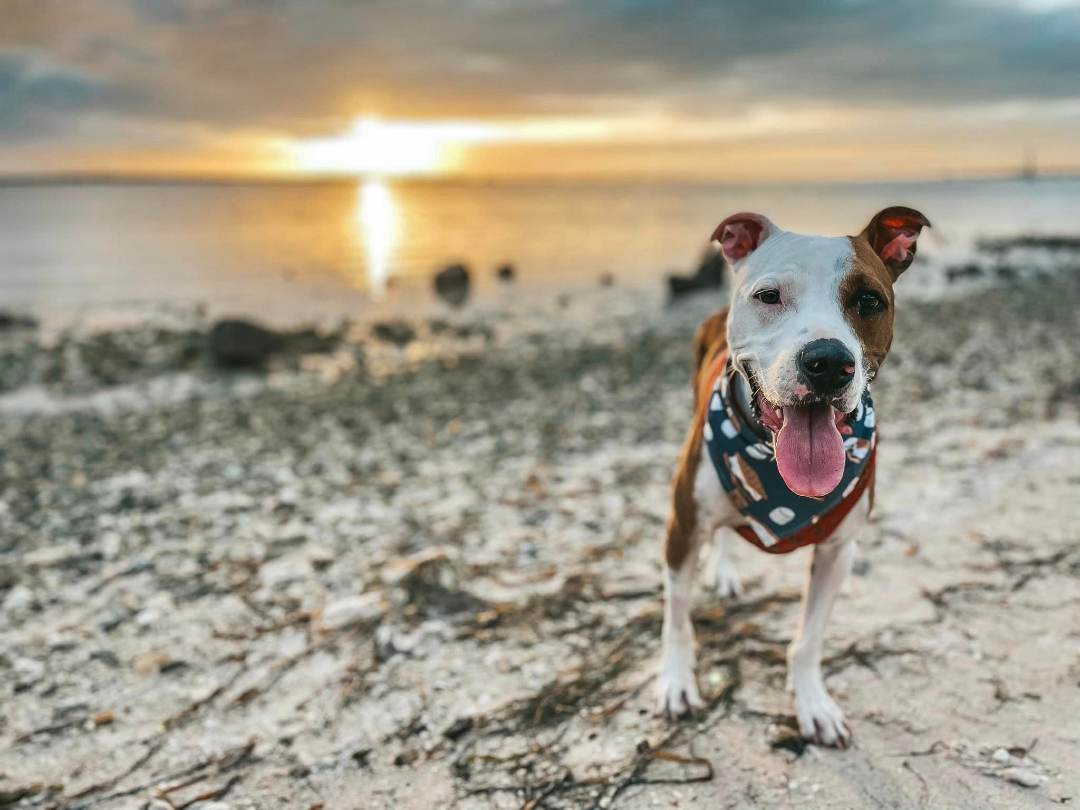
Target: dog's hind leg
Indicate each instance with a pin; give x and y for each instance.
(820, 719)
(725, 579)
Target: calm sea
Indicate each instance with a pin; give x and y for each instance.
(98, 253)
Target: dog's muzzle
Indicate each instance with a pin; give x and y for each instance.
(826, 366)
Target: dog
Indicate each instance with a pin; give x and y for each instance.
(781, 449)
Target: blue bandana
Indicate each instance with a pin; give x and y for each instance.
(779, 520)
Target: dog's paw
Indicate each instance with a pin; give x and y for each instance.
(726, 582)
(677, 695)
(820, 719)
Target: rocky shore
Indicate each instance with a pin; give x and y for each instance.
(415, 564)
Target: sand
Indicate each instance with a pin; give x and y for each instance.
(428, 574)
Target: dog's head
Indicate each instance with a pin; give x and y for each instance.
(811, 321)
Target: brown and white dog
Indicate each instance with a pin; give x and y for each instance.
(790, 291)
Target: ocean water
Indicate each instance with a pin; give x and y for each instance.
(91, 253)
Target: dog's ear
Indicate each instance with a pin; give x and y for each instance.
(892, 234)
(740, 235)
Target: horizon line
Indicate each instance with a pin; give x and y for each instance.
(62, 178)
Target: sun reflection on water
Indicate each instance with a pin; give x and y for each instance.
(378, 221)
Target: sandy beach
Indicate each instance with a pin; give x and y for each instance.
(419, 567)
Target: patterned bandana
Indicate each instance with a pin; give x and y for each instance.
(778, 520)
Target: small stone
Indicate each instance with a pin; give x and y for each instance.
(321, 557)
(389, 641)
(400, 333)
(1002, 756)
(111, 545)
(104, 718)
(784, 738)
(1019, 776)
(459, 728)
(150, 661)
(452, 284)
(407, 757)
(111, 619)
(19, 599)
(145, 618)
(361, 756)
(352, 610)
(155, 607)
(17, 320)
(421, 643)
(107, 657)
(60, 642)
(283, 571)
(408, 567)
(28, 669)
(238, 343)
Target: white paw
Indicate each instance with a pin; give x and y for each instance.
(677, 694)
(726, 582)
(820, 719)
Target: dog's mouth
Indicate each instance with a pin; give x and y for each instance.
(808, 437)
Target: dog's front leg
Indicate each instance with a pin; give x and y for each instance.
(820, 719)
(676, 689)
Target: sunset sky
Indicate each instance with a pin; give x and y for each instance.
(737, 91)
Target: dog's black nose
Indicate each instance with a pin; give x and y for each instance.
(826, 365)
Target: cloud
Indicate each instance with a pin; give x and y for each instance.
(321, 56)
(37, 92)
(311, 67)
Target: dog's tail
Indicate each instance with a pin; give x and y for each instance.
(709, 340)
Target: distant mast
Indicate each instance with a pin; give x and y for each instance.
(1029, 170)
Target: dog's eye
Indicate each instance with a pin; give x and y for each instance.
(869, 303)
(768, 296)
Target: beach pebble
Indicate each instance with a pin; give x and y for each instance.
(107, 657)
(239, 343)
(320, 557)
(351, 610)
(1022, 777)
(1002, 756)
(14, 320)
(111, 545)
(60, 642)
(434, 558)
(420, 643)
(284, 570)
(19, 599)
(27, 669)
(452, 284)
(399, 332)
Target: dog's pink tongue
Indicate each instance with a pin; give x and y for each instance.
(810, 450)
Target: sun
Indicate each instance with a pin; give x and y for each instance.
(376, 147)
